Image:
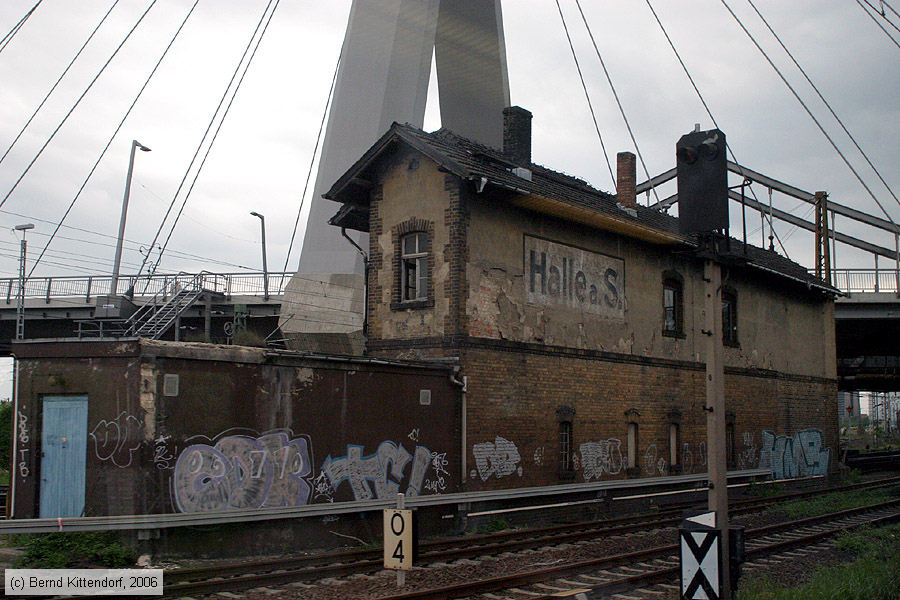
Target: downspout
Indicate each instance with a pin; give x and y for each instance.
(365, 258)
(13, 473)
(462, 383)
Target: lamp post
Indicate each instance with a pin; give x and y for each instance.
(20, 306)
(114, 284)
(262, 227)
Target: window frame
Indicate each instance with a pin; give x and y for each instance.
(674, 282)
(417, 262)
(565, 459)
(729, 317)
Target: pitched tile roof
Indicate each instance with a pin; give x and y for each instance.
(484, 165)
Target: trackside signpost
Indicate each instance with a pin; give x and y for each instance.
(399, 541)
(700, 552)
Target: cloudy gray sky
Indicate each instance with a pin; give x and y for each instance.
(263, 152)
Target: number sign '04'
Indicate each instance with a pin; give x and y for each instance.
(398, 539)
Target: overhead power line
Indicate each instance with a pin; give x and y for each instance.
(878, 23)
(712, 118)
(312, 159)
(12, 32)
(116, 132)
(586, 94)
(826, 103)
(612, 87)
(806, 108)
(212, 120)
(77, 102)
(52, 89)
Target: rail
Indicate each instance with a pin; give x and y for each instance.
(866, 280)
(167, 520)
(89, 287)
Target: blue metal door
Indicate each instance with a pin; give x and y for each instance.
(64, 455)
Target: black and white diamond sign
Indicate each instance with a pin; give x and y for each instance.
(700, 548)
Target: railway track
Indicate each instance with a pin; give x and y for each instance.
(251, 574)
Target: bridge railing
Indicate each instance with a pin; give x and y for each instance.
(89, 287)
(865, 280)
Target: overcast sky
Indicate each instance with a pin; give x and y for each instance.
(263, 152)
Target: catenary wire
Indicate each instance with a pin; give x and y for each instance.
(218, 129)
(883, 15)
(878, 23)
(710, 114)
(212, 120)
(825, 102)
(116, 132)
(808, 111)
(312, 160)
(52, 89)
(12, 32)
(616, 96)
(77, 102)
(586, 94)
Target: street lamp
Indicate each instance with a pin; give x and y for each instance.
(262, 227)
(20, 306)
(114, 284)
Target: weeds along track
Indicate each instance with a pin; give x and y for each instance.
(309, 569)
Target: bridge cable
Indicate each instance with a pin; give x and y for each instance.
(728, 147)
(884, 15)
(880, 26)
(74, 106)
(116, 132)
(825, 102)
(808, 111)
(12, 32)
(216, 133)
(187, 171)
(312, 159)
(586, 94)
(52, 89)
(616, 96)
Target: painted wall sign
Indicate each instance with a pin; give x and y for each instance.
(561, 275)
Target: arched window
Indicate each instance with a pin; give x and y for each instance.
(673, 304)
(414, 267)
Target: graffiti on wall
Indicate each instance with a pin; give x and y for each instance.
(116, 441)
(654, 465)
(378, 475)
(499, 459)
(24, 437)
(438, 483)
(800, 455)
(601, 457)
(163, 456)
(242, 470)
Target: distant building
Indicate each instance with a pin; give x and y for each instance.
(576, 316)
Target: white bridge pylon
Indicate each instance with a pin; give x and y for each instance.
(383, 77)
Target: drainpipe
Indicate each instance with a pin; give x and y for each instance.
(14, 472)
(462, 383)
(365, 258)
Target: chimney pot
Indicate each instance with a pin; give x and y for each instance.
(626, 173)
(517, 134)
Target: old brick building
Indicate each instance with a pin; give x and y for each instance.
(576, 316)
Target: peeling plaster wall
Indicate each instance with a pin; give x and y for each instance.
(778, 329)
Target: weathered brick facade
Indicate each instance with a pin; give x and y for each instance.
(595, 356)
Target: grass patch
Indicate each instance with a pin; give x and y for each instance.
(833, 502)
(77, 549)
(873, 574)
(764, 490)
(494, 525)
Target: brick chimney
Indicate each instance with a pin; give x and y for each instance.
(517, 134)
(626, 172)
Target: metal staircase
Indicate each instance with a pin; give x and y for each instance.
(155, 317)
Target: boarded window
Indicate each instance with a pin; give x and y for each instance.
(729, 318)
(673, 444)
(632, 445)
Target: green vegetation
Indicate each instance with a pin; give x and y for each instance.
(833, 502)
(494, 525)
(873, 574)
(764, 490)
(77, 549)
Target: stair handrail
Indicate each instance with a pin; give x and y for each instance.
(162, 299)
